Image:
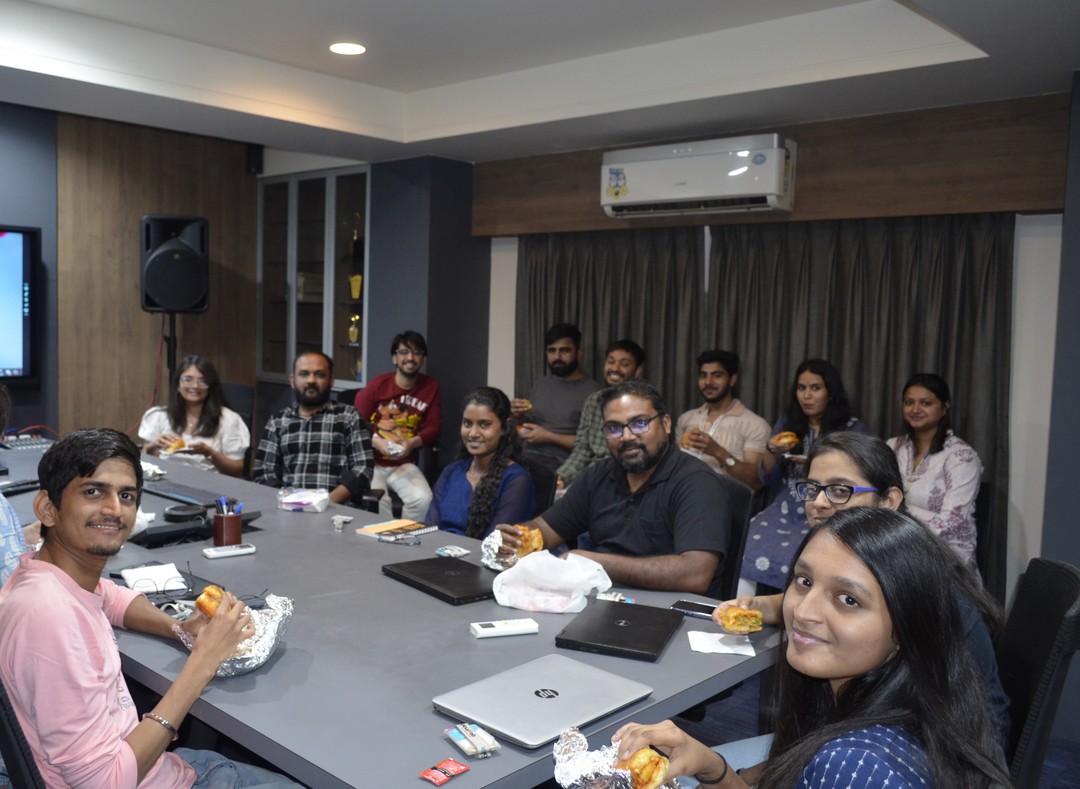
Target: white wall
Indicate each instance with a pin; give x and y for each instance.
(1036, 264)
(1037, 260)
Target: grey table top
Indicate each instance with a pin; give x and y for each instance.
(346, 699)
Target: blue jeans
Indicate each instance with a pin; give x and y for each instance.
(214, 771)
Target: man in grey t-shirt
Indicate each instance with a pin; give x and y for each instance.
(549, 418)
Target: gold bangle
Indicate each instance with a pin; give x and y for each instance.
(723, 775)
(172, 729)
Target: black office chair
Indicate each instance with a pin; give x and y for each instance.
(544, 480)
(742, 500)
(1033, 654)
(241, 399)
(18, 759)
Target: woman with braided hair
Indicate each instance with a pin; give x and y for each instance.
(486, 484)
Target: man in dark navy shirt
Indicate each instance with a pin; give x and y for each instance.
(656, 517)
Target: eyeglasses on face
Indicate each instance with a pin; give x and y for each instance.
(836, 493)
(408, 352)
(637, 426)
(198, 383)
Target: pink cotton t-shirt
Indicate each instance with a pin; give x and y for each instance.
(61, 667)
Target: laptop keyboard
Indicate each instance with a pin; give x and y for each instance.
(183, 493)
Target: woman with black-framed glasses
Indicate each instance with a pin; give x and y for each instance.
(196, 427)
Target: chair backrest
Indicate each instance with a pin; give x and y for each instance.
(1033, 652)
(241, 399)
(984, 511)
(742, 499)
(18, 758)
(544, 480)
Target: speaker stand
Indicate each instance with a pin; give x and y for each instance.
(170, 346)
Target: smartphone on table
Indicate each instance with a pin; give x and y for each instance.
(694, 608)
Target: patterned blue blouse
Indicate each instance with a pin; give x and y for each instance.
(878, 756)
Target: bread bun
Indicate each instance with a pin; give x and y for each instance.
(648, 768)
(175, 445)
(740, 620)
(786, 439)
(209, 600)
(532, 540)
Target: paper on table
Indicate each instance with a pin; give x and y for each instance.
(720, 643)
(154, 578)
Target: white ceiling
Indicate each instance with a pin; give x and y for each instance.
(491, 79)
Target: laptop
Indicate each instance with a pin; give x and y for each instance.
(532, 704)
(621, 629)
(451, 580)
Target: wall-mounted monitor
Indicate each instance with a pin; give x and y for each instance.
(20, 259)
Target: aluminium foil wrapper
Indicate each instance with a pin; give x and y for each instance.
(270, 624)
(576, 767)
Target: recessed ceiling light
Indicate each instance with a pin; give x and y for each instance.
(346, 48)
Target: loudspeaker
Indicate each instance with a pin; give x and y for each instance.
(175, 268)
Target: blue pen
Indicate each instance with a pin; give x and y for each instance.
(223, 507)
(239, 508)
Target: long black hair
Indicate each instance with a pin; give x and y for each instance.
(482, 504)
(837, 409)
(212, 405)
(930, 686)
(937, 386)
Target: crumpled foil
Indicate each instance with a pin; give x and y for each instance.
(576, 767)
(270, 624)
(489, 553)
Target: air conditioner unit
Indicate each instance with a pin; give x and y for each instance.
(753, 173)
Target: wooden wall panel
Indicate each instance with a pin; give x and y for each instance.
(997, 156)
(108, 175)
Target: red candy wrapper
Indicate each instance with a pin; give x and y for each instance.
(443, 771)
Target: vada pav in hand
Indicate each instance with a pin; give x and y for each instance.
(197, 427)
(875, 685)
(941, 472)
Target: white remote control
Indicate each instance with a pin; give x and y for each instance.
(225, 551)
(504, 627)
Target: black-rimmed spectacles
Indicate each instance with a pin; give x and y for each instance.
(836, 493)
(637, 426)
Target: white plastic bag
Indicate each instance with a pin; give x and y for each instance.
(542, 582)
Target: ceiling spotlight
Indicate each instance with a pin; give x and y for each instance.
(346, 48)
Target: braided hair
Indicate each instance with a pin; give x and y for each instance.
(482, 505)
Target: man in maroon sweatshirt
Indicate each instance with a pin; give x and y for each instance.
(405, 411)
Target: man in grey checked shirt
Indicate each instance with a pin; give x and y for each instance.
(316, 442)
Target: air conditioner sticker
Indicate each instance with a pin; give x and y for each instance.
(616, 183)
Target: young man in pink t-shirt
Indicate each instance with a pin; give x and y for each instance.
(58, 659)
(405, 411)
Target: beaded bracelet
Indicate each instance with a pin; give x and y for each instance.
(723, 775)
(172, 729)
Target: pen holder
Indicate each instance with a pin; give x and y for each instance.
(227, 529)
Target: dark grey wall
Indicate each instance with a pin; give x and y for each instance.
(430, 274)
(28, 198)
(1061, 535)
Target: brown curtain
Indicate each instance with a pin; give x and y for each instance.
(881, 299)
(643, 285)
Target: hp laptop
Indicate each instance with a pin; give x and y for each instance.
(621, 629)
(534, 703)
(451, 580)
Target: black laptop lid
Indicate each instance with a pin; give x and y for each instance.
(621, 629)
(451, 580)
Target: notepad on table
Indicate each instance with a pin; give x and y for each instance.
(397, 528)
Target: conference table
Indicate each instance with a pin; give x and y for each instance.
(345, 701)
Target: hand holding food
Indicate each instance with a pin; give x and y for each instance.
(767, 608)
(785, 440)
(648, 768)
(209, 600)
(532, 540)
(740, 620)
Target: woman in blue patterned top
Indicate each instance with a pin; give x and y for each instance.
(876, 686)
(486, 485)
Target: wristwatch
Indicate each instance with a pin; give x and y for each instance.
(730, 461)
